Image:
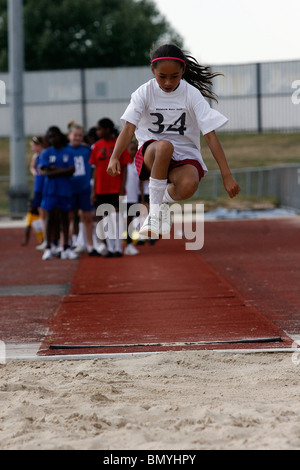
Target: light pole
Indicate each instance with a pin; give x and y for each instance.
(18, 190)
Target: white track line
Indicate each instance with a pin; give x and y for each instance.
(28, 352)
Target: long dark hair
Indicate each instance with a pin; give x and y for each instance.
(197, 75)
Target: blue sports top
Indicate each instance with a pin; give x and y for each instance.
(62, 158)
(38, 179)
(81, 179)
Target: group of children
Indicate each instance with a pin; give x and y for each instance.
(71, 182)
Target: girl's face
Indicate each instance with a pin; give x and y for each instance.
(36, 148)
(168, 74)
(103, 132)
(54, 139)
(76, 137)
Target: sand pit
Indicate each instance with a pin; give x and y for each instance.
(172, 400)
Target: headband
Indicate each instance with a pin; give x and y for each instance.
(169, 58)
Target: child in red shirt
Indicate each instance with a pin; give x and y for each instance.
(107, 189)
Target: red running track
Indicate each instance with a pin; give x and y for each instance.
(25, 313)
(168, 294)
(261, 258)
(164, 295)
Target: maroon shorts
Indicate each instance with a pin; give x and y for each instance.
(144, 173)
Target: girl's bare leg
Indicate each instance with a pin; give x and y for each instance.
(184, 181)
(157, 158)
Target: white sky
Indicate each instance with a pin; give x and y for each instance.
(236, 31)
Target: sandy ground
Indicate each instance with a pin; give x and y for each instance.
(173, 400)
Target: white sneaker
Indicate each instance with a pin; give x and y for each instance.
(80, 249)
(131, 250)
(56, 250)
(68, 254)
(102, 249)
(150, 227)
(41, 246)
(166, 221)
(47, 254)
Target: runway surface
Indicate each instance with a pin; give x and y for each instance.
(240, 291)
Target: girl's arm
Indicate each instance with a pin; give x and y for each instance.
(53, 171)
(124, 178)
(123, 140)
(32, 165)
(216, 149)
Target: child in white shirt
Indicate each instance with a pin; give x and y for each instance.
(167, 115)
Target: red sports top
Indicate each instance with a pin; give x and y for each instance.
(100, 155)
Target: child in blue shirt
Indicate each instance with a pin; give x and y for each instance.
(82, 207)
(36, 145)
(57, 164)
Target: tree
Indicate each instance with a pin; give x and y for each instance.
(64, 34)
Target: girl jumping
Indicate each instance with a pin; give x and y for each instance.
(167, 115)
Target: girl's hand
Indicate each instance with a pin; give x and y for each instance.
(231, 185)
(114, 167)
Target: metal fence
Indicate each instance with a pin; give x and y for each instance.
(255, 97)
(260, 97)
(281, 182)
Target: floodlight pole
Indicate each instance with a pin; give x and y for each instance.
(18, 190)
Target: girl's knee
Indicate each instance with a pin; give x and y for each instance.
(165, 147)
(188, 187)
(159, 152)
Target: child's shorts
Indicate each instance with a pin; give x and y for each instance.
(144, 173)
(37, 198)
(82, 201)
(49, 203)
(112, 199)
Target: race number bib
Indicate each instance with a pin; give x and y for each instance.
(79, 166)
(159, 125)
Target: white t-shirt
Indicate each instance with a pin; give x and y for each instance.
(178, 117)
